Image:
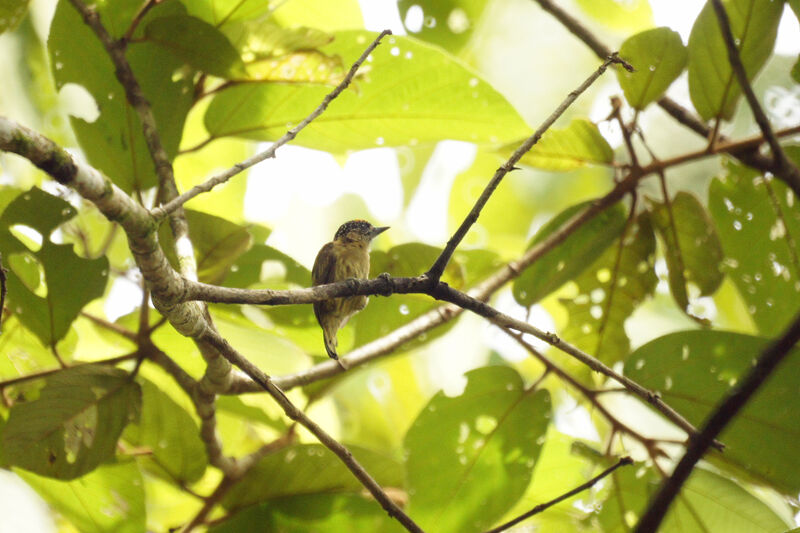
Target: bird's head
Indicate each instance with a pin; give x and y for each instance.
(358, 231)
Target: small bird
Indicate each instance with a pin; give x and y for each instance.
(346, 257)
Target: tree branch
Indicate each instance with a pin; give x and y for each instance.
(542, 506)
(784, 168)
(727, 409)
(299, 416)
(222, 177)
(436, 270)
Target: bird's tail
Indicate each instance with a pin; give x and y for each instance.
(330, 344)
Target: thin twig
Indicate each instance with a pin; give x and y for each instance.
(542, 506)
(436, 270)
(725, 412)
(111, 326)
(161, 212)
(299, 416)
(137, 19)
(784, 168)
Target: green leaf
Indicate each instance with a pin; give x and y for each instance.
(758, 221)
(571, 257)
(447, 23)
(114, 142)
(619, 14)
(70, 281)
(696, 255)
(659, 57)
(708, 502)
(577, 145)
(75, 423)
(196, 43)
(609, 291)
(694, 370)
(795, 72)
(220, 13)
(303, 469)
(218, 243)
(354, 513)
(172, 435)
(712, 84)
(439, 99)
(109, 499)
(11, 14)
(471, 457)
(383, 315)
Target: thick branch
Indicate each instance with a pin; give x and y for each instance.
(439, 265)
(719, 419)
(269, 152)
(543, 506)
(784, 168)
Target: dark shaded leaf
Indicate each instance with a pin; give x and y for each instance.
(74, 424)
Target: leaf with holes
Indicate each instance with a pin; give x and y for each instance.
(695, 256)
(111, 498)
(74, 424)
(196, 43)
(694, 370)
(571, 257)
(303, 469)
(114, 142)
(47, 287)
(659, 57)
(172, 435)
(470, 457)
(577, 145)
(707, 502)
(712, 84)
(412, 93)
(758, 221)
(609, 291)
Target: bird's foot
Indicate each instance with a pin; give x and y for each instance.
(389, 288)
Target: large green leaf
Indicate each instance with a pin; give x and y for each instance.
(75, 423)
(568, 259)
(114, 142)
(758, 221)
(354, 513)
(109, 499)
(609, 291)
(412, 94)
(69, 281)
(447, 23)
(578, 144)
(696, 254)
(708, 502)
(197, 43)
(658, 55)
(12, 13)
(172, 435)
(712, 84)
(470, 457)
(694, 370)
(304, 469)
(220, 13)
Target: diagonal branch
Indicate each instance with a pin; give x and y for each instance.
(222, 177)
(719, 419)
(299, 416)
(784, 168)
(543, 506)
(439, 265)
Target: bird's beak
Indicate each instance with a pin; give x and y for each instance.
(377, 231)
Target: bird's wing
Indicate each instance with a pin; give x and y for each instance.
(324, 269)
